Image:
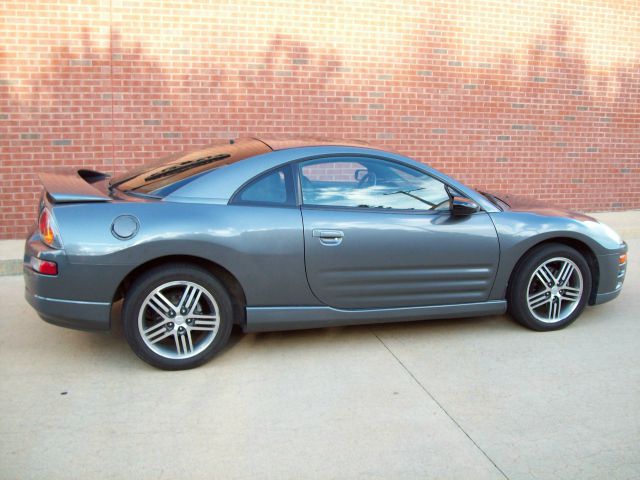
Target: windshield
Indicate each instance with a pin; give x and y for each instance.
(181, 168)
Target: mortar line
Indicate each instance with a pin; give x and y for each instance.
(424, 389)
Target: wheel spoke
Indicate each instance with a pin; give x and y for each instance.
(571, 294)
(204, 322)
(565, 273)
(184, 344)
(161, 304)
(190, 298)
(554, 310)
(157, 332)
(538, 299)
(545, 275)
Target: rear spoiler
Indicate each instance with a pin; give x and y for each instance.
(76, 187)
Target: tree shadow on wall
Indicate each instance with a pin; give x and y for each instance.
(494, 123)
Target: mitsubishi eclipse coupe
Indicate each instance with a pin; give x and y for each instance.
(273, 234)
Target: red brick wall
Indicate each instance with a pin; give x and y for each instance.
(538, 97)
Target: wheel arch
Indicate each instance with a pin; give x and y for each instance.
(230, 282)
(584, 249)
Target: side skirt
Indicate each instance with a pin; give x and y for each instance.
(266, 319)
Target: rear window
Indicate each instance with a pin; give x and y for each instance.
(170, 173)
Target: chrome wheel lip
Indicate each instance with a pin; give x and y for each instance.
(561, 291)
(183, 323)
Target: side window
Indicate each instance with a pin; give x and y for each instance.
(273, 188)
(370, 183)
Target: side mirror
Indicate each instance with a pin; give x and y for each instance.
(461, 206)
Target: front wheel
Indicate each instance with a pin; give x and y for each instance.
(177, 317)
(550, 288)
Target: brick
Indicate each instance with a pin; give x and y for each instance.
(61, 142)
(171, 134)
(151, 122)
(503, 137)
(30, 136)
(80, 62)
(439, 131)
(161, 103)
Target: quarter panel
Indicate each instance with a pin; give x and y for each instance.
(261, 246)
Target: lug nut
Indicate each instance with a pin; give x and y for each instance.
(183, 311)
(172, 314)
(189, 321)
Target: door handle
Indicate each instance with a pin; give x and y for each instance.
(328, 237)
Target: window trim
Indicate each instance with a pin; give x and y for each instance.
(299, 196)
(289, 184)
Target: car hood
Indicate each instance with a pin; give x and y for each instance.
(523, 204)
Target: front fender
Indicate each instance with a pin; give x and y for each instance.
(519, 232)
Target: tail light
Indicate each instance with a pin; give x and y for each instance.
(48, 230)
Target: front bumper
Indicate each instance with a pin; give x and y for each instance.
(611, 278)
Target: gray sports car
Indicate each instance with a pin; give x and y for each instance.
(276, 234)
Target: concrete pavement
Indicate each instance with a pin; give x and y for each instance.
(472, 398)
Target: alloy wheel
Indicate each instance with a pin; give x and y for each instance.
(554, 290)
(178, 319)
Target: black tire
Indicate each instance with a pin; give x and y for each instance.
(171, 280)
(524, 285)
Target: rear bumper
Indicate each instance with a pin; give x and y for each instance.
(48, 294)
(70, 313)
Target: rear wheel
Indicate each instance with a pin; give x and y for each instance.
(177, 317)
(550, 288)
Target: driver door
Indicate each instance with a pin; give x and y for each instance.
(379, 234)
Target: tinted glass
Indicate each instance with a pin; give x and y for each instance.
(162, 177)
(272, 188)
(370, 183)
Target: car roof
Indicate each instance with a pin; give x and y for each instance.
(286, 141)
